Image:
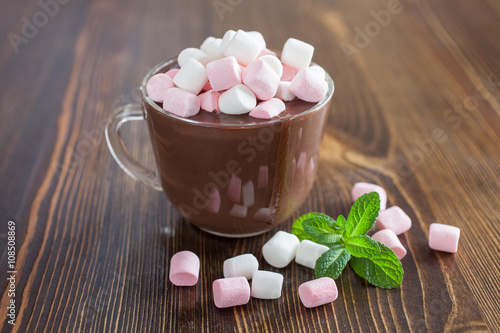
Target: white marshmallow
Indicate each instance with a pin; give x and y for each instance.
(238, 211)
(308, 252)
(274, 62)
(194, 53)
(211, 47)
(243, 47)
(237, 100)
(318, 70)
(243, 265)
(226, 39)
(248, 194)
(258, 37)
(191, 77)
(280, 250)
(266, 285)
(284, 92)
(297, 54)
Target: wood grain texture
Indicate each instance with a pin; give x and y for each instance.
(416, 110)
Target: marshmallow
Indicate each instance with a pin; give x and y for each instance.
(268, 109)
(266, 285)
(274, 62)
(184, 268)
(238, 211)
(191, 77)
(224, 73)
(181, 103)
(231, 292)
(258, 37)
(261, 79)
(297, 53)
(248, 194)
(226, 39)
(308, 86)
(172, 72)
(283, 92)
(192, 53)
(362, 188)
(318, 292)
(308, 252)
(280, 250)
(318, 70)
(237, 100)
(242, 265)
(211, 47)
(266, 52)
(263, 214)
(209, 101)
(234, 189)
(393, 218)
(288, 73)
(158, 85)
(389, 238)
(443, 237)
(213, 203)
(207, 87)
(243, 47)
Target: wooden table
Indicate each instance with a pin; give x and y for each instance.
(416, 110)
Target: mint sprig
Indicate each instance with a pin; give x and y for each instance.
(348, 242)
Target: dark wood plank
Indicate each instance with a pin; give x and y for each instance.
(93, 246)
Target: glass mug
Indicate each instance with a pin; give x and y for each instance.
(235, 178)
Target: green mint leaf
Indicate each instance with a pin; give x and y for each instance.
(328, 239)
(332, 262)
(322, 221)
(363, 215)
(362, 246)
(341, 222)
(383, 270)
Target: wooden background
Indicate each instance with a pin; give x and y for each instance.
(416, 110)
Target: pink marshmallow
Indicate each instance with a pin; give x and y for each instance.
(181, 103)
(231, 291)
(263, 176)
(184, 268)
(389, 239)
(393, 218)
(224, 73)
(308, 86)
(213, 204)
(158, 85)
(443, 237)
(261, 79)
(266, 52)
(362, 188)
(234, 189)
(288, 73)
(172, 72)
(209, 101)
(207, 86)
(268, 109)
(318, 292)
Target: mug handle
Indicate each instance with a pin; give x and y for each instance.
(120, 153)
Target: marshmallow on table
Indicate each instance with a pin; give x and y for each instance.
(274, 62)
(297, 54)
(268, 109)
(318, 292)
(209, 101)
(393, 218)
(266, 285)
(181, 103)
(172, 72)
(280, 250)
(443, 237)
(362, 188)
(242, 265)
(243, 47)
(258, 37)
(283, 91)
(191, 77)
(192, 53)
(237, 100)
(308, 252)
(261, 79)
(211, 47)
(389, 239)
(288, 73)
(308, 86)
(224, 73)
(184, 268)
(231, 291)
(158, 85)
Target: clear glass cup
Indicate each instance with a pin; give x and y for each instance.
(235, 178)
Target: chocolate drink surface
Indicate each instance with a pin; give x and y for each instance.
(237, 175)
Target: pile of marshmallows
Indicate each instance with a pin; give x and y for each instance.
(234, 289)
(239, 75)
